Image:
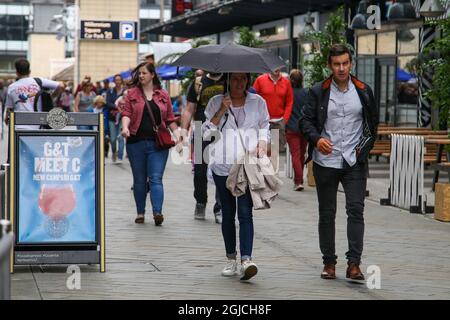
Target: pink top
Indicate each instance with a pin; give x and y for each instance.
(135, 104)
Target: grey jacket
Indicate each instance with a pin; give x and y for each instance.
(259, 176)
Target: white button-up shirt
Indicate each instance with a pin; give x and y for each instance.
(343, 127)
(252, 126)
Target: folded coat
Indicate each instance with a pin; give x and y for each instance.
(257, 174)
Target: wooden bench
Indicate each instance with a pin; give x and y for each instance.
(382, 146)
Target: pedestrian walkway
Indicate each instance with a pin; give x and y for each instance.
(183, 258)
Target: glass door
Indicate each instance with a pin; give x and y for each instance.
(385, 93)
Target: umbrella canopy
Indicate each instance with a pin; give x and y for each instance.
(230, 58)
(167, 72)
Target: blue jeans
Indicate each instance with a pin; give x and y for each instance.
(245, 217)
(114, 130)
(147, 164)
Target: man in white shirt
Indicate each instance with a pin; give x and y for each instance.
(21, 94)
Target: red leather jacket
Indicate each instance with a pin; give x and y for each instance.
(135, 104)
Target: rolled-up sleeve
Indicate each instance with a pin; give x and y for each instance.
(264, 125)
(210, 110)
(127, 107)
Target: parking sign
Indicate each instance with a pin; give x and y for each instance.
(127, 31)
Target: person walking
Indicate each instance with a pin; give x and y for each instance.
(340, 122)
(200, 92)
(236, 111)
(111, 97)
(22, 93)
(147, 161)
(83, 100)
(297, 143)
(277, 92)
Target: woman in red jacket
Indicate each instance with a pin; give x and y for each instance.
(147, 161)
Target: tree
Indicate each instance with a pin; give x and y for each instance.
(435, 60)
(315, 69)
(247, 37)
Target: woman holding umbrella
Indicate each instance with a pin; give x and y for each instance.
(237, 114)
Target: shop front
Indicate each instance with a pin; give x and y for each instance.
(382, 58)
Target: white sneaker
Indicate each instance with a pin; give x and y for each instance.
(230, 268)
(248, 269)
(299, 187)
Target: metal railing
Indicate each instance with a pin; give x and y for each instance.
(6, 242)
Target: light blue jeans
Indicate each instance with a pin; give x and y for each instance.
(115, 136)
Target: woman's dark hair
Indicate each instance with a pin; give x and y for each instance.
(227, 76)
(338, 50)
(296, 78)
(150, 68)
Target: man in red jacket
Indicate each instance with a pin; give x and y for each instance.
(277, 91)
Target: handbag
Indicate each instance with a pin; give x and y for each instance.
(163, 137)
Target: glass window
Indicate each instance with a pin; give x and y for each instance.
(408, 41)
(13, 27)
(386, 43)
(366, 71)
(366, 44)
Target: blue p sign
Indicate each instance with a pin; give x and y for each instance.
(127, 31)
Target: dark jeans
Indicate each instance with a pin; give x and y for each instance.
(354, 181)
(147, 164)
(201, 183)
(245, 217)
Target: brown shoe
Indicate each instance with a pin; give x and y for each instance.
(159, 218)
(140, 219)
(329, 272)
(354, 272)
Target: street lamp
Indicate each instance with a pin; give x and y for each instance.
(309, 20)
(225, 11)
(431, 9)
(191, 21)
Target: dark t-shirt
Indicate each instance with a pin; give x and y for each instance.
(145, 131)
(210, 88)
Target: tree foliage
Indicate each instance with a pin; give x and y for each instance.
(315, 69)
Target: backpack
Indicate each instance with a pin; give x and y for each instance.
(46, 98)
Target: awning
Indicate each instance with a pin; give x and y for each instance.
(125, 75)
(167, 72)
(226, 15)
(65, 74)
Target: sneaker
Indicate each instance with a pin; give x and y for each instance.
(114, 157)
(230, 268)
(248, 269)
(199, 213)
(218, 217)
(299, 187)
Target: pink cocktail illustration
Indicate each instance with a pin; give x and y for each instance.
(57, 202)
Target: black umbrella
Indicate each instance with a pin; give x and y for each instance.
(230, 58)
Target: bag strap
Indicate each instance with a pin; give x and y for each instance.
(36, 97)
(237, 126)
(149, 109)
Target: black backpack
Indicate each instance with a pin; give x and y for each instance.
(46, 98)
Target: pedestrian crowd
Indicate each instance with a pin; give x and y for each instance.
(228, 121)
